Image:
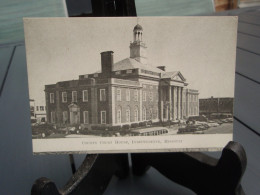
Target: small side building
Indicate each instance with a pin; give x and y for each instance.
(208, 106)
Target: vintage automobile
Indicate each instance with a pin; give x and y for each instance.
(154, 131)
(42, 130)
(192, 129)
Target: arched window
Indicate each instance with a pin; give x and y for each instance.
(127, 114)
(118, 115)
(144, 113)
(136, 114)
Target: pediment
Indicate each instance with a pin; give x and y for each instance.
(73, 105)
(178, 77)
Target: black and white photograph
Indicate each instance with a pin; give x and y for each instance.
(137, 84)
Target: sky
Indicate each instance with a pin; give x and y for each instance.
(203, 49)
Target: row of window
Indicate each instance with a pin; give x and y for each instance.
(85, 117)
(193, 110)
(193, 98)
(103, 116)
(136, 115)
(40, 108)
(135, 95)
(64, 96)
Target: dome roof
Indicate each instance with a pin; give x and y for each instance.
(138, 27)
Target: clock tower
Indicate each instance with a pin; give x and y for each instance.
(138, 47)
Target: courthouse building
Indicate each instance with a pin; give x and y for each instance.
(125, 92)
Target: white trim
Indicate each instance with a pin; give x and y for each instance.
(63, 95)
(128, 95)
(105, 122)
(118, 95)
(52, 98)
(151, 96)
(144, 96)
(118, 116)
(113, 104)
(100, 95)
(64, 116)
(128, 118)
(144, 114)
(72, 97)
(136, 95)
(136, 114)
(85, 119)
(85, 98)
(52, 117)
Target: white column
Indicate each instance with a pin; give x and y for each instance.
(141, 105)
(170, 103)
(113, 105)
(181, 90)
(179, 102)
(161, 104)
(175, 104)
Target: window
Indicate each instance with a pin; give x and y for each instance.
(64, 97)
(129, 71)
(92, 81)
(136, 95)
(136, 114)
(144, 113)
(144, 96)
(37, 108)
(118, 115)
(155, 113)
(51, 98)
(41, 108)
(52, 117)
(103, 117)
(127, 115)
(65, 117)
(127, 95)
(95, 75)
(102, 95)
(74, 96)
(117, 72)
(151, 96)
(85, 117)
(85, 95)
(118, 94)
(151, 113)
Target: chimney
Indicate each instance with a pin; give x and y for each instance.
(107, 62)
(161, 68)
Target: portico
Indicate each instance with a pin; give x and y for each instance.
(171, 96)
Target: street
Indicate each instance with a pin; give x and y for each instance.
(224, 128)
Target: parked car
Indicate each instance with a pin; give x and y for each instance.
(201, 118)
(42, 130)
(212, 124)
(191, 129)
(230, 120)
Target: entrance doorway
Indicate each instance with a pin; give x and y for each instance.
(74, 114)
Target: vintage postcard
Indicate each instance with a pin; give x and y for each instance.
(146, 84)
